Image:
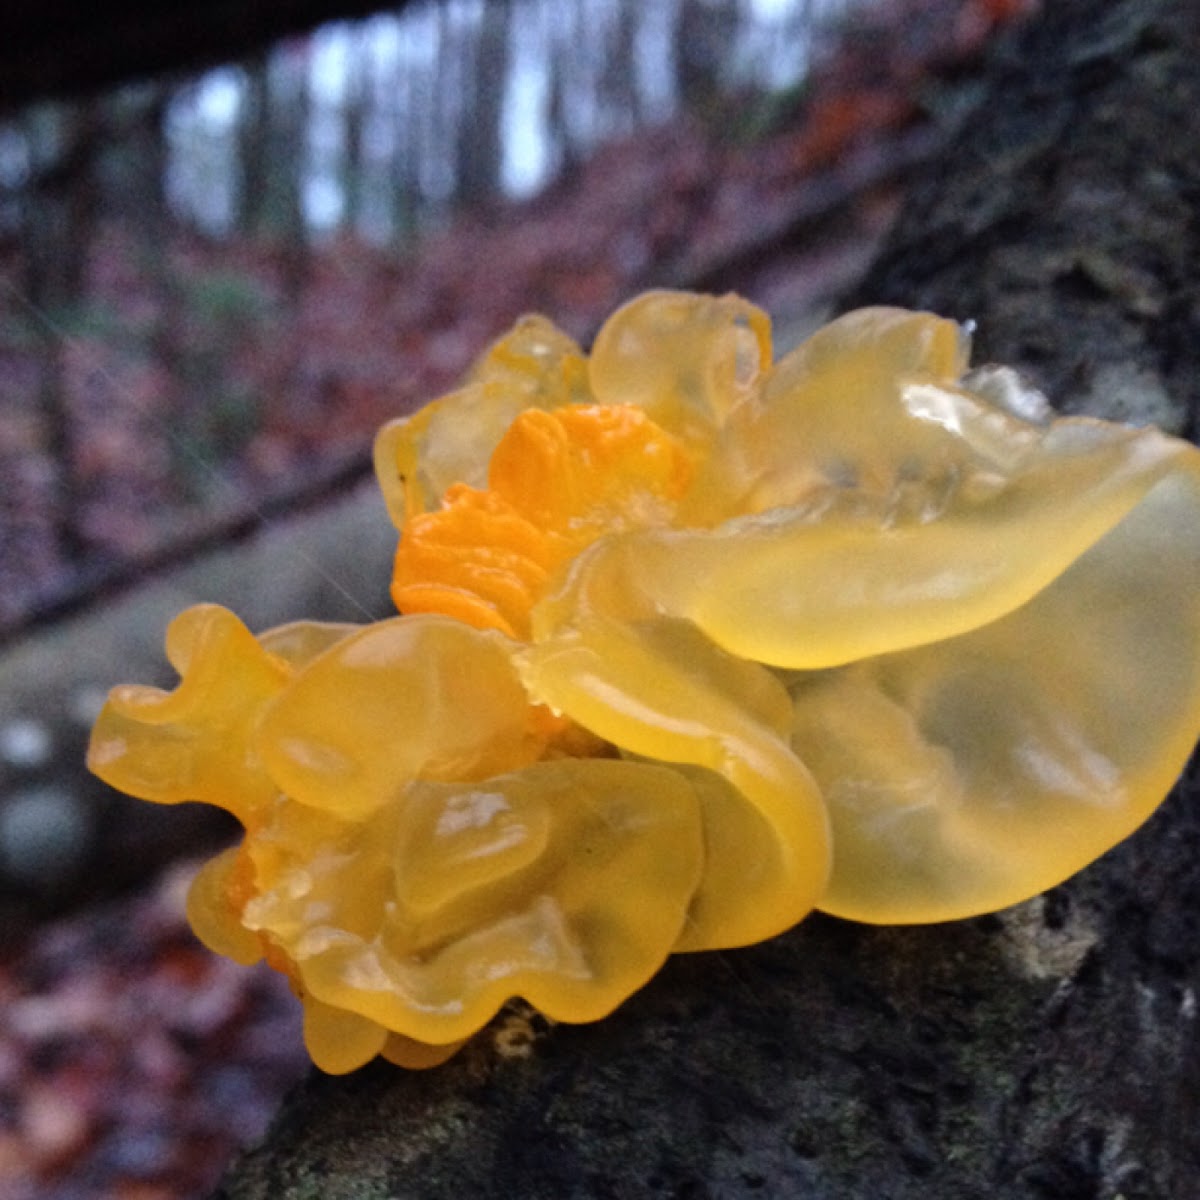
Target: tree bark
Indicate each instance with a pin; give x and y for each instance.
(1049, 1052)
(1066, 223)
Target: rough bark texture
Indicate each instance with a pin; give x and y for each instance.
(1065, 221)
(1050, 1052)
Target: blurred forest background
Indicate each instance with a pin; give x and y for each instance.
(215, 284)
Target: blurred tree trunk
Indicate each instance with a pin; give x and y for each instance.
(1049, 1052)
(479, 144)
(619, 91)
(290, 112)
(445, 95)
(410, 96)
(135, 181)
(60, 212)
(563, 66)
(254, 145)
(285, 118)
(59, 215)
(705, 32)
(272, 155)
(356, 104)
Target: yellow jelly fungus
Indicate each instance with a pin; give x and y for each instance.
(421, 843)
(855, 514)
(691, 642)
(557, 481)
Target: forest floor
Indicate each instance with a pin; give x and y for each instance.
(132, 1062)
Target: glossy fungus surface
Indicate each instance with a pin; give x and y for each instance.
(691, 642)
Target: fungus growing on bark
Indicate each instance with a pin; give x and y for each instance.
(691, 643)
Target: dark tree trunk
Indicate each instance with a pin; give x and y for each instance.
(702, 39)
(291, 108)
(355, 107)
(1066, 223)
(411, 96)
(254, 146)
(620, 98)
(58, 216)
(1045, 1053)
(479, 147)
